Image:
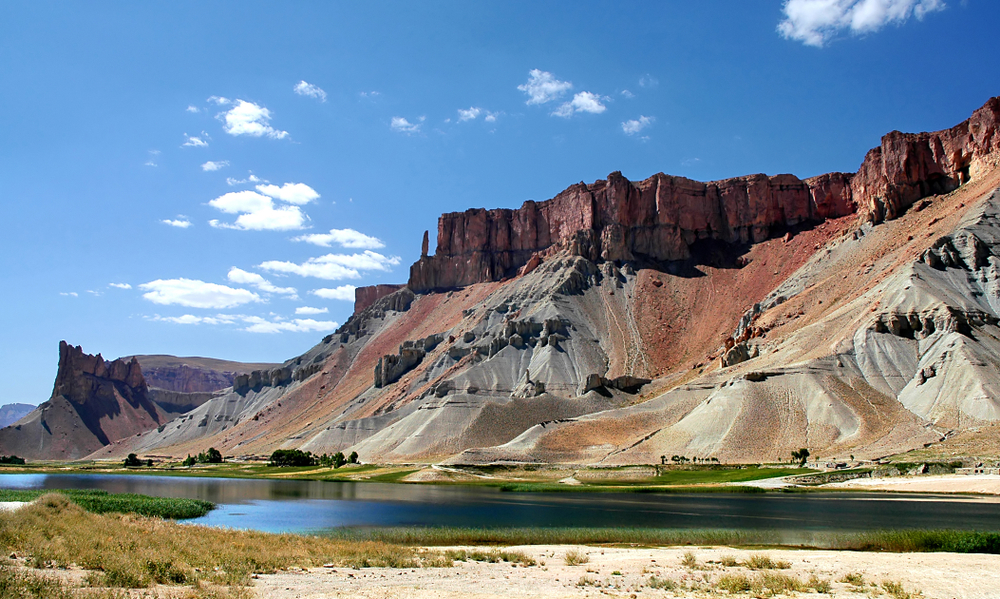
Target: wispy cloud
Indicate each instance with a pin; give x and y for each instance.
(310, 311)
(649, 82)
(627, 94)
(402, 125)
(193, 293)
(633, 126)
(344, 293)
(581, 102)
(348, 238)
(69, 293)
(192, 108)
(242, 277)
(543, 87)
(214, 166)
(195, 142)
(334, 266)
(468, 114)
(252, 178)
(815, 22)
(247, 118)
(120, 285)
(181, 222)
(257, 212)
(307, 89)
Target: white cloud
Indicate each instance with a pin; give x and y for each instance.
(306, 89)
(247, 118)
(193, 293)
(149, 163)
(298, 325)
(242, 277)
(95, 293)
(633, 126)
(293, 193)
(231, 181)
(195, 142)
(581, 102)
(192, 108)
(491, 117)
(192, 319)
(120, 285)
(220, 100)
(344, 293)
(310, 311)
(334, 266)
(214, 166)
(543, 87)
(815, 22)
(180, 222)
(348, 238)
(469, 114)
(257, 212)
(627, 94)
(404, 126)
(649, 81)
(69, 293)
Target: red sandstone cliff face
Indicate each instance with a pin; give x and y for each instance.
(657, 219)
(661, 218)
(366, 296)
(910, 166)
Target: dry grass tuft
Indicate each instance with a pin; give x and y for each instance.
(575, 557)
(760, 561)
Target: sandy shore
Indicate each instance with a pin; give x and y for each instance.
(626, 572)
(940, 483)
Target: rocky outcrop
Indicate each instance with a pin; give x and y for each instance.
(391, 367)
(627, 384)
(258, 379)
(187, 379)
(80, 375)
(366, 296)
(909, 166)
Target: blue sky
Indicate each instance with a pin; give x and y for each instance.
(211, 178)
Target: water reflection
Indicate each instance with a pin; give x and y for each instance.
(308, 506)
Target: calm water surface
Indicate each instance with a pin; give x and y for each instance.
(313, 506)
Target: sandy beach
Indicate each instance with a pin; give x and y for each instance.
(938, 483)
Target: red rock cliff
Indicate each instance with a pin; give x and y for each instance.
(661, 217)
(910, 166)
(74, 365)
(366, 296)
(615, 219)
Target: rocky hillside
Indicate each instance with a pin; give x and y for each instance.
(93, 403)
(851, 313)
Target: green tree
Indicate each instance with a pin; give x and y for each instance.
(339, 459)
(132, 461)
(190, 461)
(353, 458)
(292, 457)
(801, 455)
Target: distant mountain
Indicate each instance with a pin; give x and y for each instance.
(12, 412)
(193, 374)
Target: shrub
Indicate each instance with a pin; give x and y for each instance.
(818, 584)
(854, 578)
(729, 561)
(13, 459)
(895, 590)
(734, 583)
(575, 557)
(661, 583)
(132, 461)
(776, 582)
(689, 560)
(759, 561)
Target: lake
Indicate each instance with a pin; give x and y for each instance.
(315, 506)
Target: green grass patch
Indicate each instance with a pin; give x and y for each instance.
(716, 475)
(904, 541)
(619, 487)
(102, 502)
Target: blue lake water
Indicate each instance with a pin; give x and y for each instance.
(315, 506)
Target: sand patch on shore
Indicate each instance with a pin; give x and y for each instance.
(927, 483)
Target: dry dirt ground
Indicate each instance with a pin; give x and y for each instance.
(942, 483)
(626, 572)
